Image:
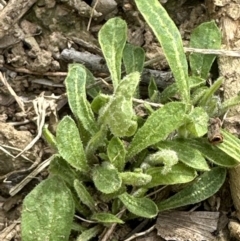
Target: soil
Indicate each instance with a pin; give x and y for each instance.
(38, 39)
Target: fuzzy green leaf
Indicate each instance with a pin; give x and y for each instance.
(170, 39)
(84, 196)
(90, 80)
(179, 173)
(168, 93)
(230, 145)
(49, 137)
(76, 91)
(135, 179)
(112, 39)
(198, 122)
(133, 58)
(69, 144)
(204, 187)
(118, 113)
(186, 154)
(106, 218)
(232, 101)
(106, 178)
(157, 127)
(205, 36)
(152, 89)
(58, 166)
(116, 153)
(48, 212)
(142, 207)
(98, 102)
(211, 152)
(90, 233)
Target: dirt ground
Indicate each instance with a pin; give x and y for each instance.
(38, 39)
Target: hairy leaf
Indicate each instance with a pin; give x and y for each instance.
(84, 195)
(205, 36)
(133, 58)
(206, 185)
(112, 39)
(69, 144)
(186, 154)
(135, 179)
(48, 212)
(106, 218)
(90, 233)
(76, 91)
(170, 39)
(106, 178)
(179, 173)
(157, 127)
(142, 207)
(118, 113)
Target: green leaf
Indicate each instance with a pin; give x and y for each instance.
(135, 179)
(118, 113)
(210, 92)
(198, 94)
(230, 145)
(142, 207)
(198, 122)
(112, 39)
(168, 93)
(48, 212)
(153, 90)
(170, 39)
(49, 137)
(133, 58)
(106, 218)
(106, 178)
(165, 156)
(157, 127)
(69, 144)
(90, 80)
(207, 185)
(186, 154)
(195, 81)
(58, 166)
(90, 233)
(99, 101)
(205, 36)
(84, 196)
(211, 152)
(76, 91)
(116, 153)
(232, 101)
(179, 173)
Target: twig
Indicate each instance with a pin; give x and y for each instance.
(223, 52)
(147, 102)
(141, 234)
(84, 220)
(91, 16)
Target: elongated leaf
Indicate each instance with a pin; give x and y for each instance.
(69, 144)
(106, 178)
(207, 185)
(179, 173)
(209, 93)
(90, 233)
(198, 94)
(48, 212)
(98, 102)
(142, 207)
(198, 122)
(205, 36)
(90, 80)
(168, 93)
(106, 218)
(116, 153)
(135, 179)
(112, 39)
(133, 58)
(165, 156)
(84, 195)
(170, 39)
(230, 145)
(58, 166)
(49, 137)
(211, 152)
(157, 127)
(118, 113)
(186, 154)
(233, 101)
(76, 91)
